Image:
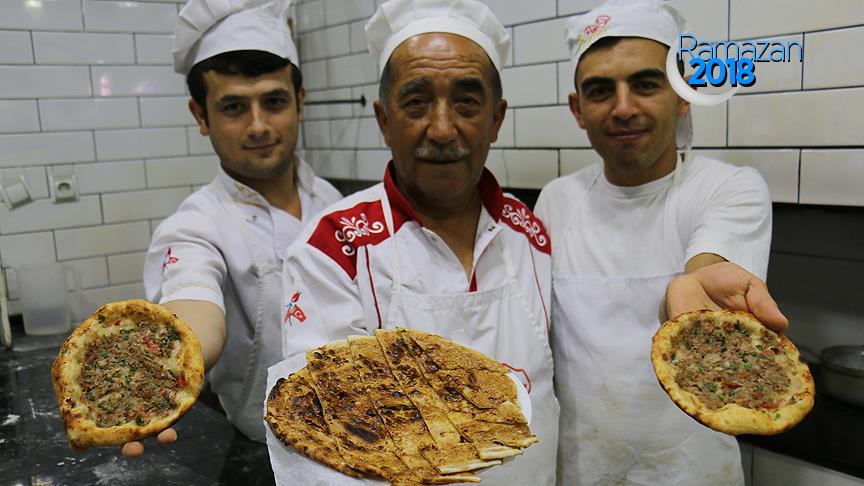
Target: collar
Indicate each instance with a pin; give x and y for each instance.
(490, 194)
(243, 193)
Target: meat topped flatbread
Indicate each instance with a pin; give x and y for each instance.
(731, 373)
(127, 372)
(367, 408)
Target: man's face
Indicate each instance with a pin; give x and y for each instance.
(440, 117)
(625, 103)
(252, 122)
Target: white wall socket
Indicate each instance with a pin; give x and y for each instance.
(64, 188)
(15, 192)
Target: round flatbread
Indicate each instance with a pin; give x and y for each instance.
(127, 372)
(731, 373)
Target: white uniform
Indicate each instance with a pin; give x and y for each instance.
(615, 249)
(368, 263)
(224, 245)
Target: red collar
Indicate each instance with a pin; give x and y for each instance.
(490, 193)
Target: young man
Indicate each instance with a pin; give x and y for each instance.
(216, 262)
(437, 246)
(621, 233)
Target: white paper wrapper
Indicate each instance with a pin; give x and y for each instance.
(291, 468)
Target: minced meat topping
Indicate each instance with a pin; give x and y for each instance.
(124, 378)
(720, 365)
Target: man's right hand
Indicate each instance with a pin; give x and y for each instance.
(136, 448)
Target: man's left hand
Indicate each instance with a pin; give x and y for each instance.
(724, 286)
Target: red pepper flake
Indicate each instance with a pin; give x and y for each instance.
(180, 382)
(727, 326)
(730, 384)
(117, 323)
(769, 405)
(150, 345)
(756, 395)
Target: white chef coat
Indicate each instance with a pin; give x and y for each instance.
(611, 247)
(349, 275)
(199, 253)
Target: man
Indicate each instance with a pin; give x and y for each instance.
(216, 261)
(621, 233)
(437, 246)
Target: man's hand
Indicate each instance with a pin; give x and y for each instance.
(135, 449)
(724, 286)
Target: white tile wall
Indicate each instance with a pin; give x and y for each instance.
(371, 93)
(56, 15)
(340, 11)
(45, 148)
(709, 125)
(153, 49)
(506, 132)
(371, 164)
(92, 271)
(316, 134)
(569, 7)
(495, 164)
(27, 248)
(833, 58)
(542, 78)
(832, 177)
(137, 81)
(44, 81)
(326, 112)
(15, 47)
(315, 75)
(778, 167)
(101, 177)
(804, 118)
(18, 116)
(181, 171)
(110, 16)
(126, 268)
(136, 205)
(102, 240)
(83, 48)
(761, 18)
(353, 69)
(510, 13)
(540, 42)
(35, 178)
(325, 43)
(141, 142)
(338, 164)
(707, 19)
(94, 298)
(780, 76)
(165, 111)
(357, 36)
(573, 160)
(355, 132)
(530, 169)
(310, 15)
(42, 214)
(198, 144)
(88, 113)
(552, 126)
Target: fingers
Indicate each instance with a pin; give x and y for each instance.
(764, 307)
(132, 449)
(685, 294)
(167, 436)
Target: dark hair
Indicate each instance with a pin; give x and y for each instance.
(387, 80)
(608, 42)
(247, 63)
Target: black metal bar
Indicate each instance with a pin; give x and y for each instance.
(361, 100)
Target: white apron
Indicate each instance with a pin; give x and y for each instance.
(618, 426)
(260, 295)
(494, 322)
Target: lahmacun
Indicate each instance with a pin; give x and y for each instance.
(129, 371)
(731, 373)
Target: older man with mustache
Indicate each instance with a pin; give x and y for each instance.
(437, 246)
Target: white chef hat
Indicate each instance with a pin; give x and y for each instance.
(206, 28)
(398, 20)
(651, 19)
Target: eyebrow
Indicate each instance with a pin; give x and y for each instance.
(470, 84)
(414, 86)
(232, 98)
(650, 73)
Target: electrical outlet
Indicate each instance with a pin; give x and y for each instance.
(64, 188)
(15, 192)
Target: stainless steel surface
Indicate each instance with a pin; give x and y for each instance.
(843, 373)
(5, 329)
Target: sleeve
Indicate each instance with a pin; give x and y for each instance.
(320, 300)
(735, 222)
(182, 261)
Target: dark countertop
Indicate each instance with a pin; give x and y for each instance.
(34, 450)
(831, 435)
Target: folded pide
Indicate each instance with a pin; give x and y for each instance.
(127, 372)
(731, 373)
(403, 406)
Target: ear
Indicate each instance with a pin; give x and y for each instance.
(381, 118)
(301, 98)
(573, 101)
(498, 119)
(198, 113)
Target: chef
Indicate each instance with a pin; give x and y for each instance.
(437, 246)
(621, 232)
(216, 261)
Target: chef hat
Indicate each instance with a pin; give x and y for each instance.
(206, 28)
(398, 20)
(652, 19)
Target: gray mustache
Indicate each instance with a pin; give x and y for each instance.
(434, 151)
